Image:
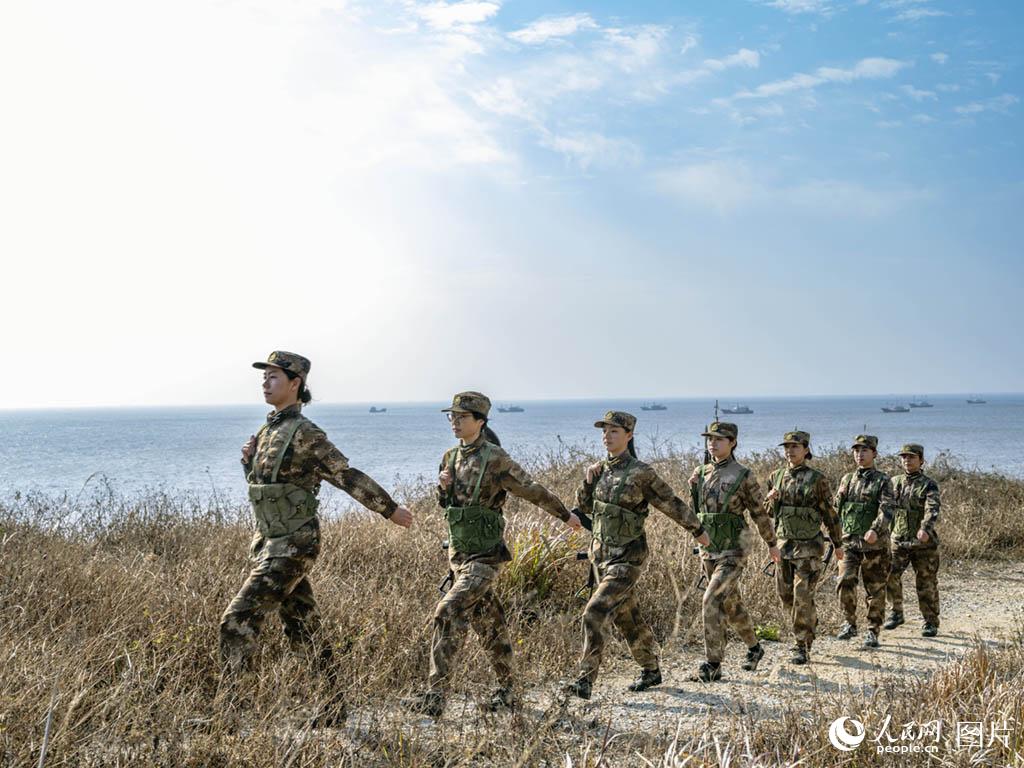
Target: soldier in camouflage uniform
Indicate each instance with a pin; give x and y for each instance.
(284, 464)
(865, 504)
(617, 496)
(721, 490)
(800, 500)
(914, 540)
(475, 477)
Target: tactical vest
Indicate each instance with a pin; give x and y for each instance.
(724, 528)
(907, 518)
(473, 529)
(281, 509)
(617, 526)
(800, 523)
(857, 516)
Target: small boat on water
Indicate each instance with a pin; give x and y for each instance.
(510, 409)
(737, 409)
(375, 409)
(895, 409)
(976, 401)
(920, 403)
(654, 407)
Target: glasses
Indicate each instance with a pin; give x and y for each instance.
(455, 418)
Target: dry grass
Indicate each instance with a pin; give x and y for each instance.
(109, 611)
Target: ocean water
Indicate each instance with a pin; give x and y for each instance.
(196, 449)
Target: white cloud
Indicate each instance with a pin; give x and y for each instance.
(1000, 103)
(634, 48)
(442, 15)
(801, 6)
(993, 77)
(689, 42)
(728, 187)
(865, 69)
(916, 94)
(742, 58)
(916, 14)
(947, 87)
(923, 119)
(594, 149)
(543, 30)
(940, 58)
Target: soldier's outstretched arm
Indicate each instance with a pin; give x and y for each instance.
(333, 467)
(931, 508)
(828, 514)
(516, 481)
(661, 496)
(886, 509)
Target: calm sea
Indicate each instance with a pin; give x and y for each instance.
(196, 449)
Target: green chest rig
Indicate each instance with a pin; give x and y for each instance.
(857, 516)
(724, 528)
(617, 526)
(281, 509)
(473, 529)
(799, 521)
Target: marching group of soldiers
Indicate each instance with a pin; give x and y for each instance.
(877, 527)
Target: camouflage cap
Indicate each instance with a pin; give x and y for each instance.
(868, 441)
(722, 429)
(617, 419)
(913, 448)
(287, 361)
(797, 436)
(465, 402)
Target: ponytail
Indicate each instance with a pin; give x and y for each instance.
(632, 448)
(304, 396)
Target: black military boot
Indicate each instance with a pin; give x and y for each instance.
(801, 654)
(894, 620)
(648, 679)
(580, 688)
(847, 631)
(502, 698)
(929, 629)
(708, 672)
(425, 703)
(871, 639)
(754, 655)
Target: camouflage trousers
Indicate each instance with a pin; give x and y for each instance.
(722, 602)
(796, 579)
(615, 599)
(470, 601)
(274, 583)
(926, 574)
(872, 566)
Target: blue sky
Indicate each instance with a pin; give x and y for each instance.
(535, 199)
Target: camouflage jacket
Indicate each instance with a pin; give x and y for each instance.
(719, 478)
(857, 486)
(790, 482)
(309, 459)
(919, 493)
(643, 487)
(502, 476)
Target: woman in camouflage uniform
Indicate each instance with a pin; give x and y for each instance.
(474, 480)
(284, 464)
(618, 495)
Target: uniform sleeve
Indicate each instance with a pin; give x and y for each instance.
(840, 496)
(661, 496)
(751, 499)
(931, 508)
(514, 479)
(333, 467)
(442, 493)
(886, 508)
(828, 512)
(585, 494)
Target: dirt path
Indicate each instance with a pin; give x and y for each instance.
(981, 601)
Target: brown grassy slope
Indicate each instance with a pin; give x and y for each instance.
(112, 606)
